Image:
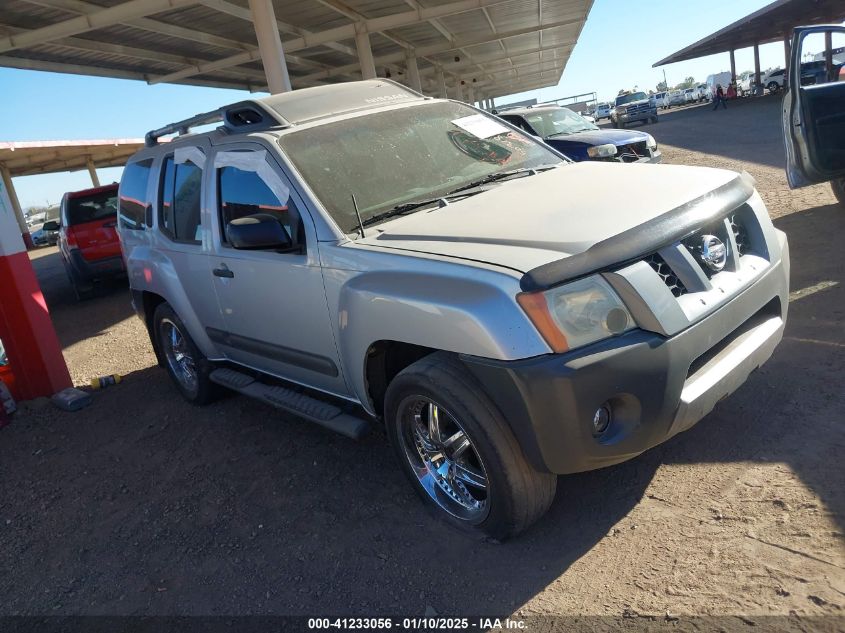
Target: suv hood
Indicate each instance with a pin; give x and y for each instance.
(533, 220)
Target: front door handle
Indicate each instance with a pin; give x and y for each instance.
(223, 272)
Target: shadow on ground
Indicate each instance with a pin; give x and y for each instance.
(79, 320)
(701, 129)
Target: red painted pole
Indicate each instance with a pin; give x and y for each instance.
(33, 349)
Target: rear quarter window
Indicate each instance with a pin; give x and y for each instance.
(133, 195)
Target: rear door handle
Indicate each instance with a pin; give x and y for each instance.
(223, 272)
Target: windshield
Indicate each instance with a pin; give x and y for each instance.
(634, 96)
(400, 156)
(558, 121)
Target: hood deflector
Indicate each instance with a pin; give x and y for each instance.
(643, 239)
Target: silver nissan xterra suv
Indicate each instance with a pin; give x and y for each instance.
(359, 252)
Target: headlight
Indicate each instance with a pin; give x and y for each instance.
(602, 151)
(650, 142)
(577, 313)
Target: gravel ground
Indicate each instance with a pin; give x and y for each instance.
(143, 504)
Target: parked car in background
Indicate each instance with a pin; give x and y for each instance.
(579, 139)
(675, 98)
(633, 106)
(815, 72)
(773, 80)
(87, 237)
(690, 95)
(602, 111)
(42, 236)
(713, 81)
(506, 314)
(702, 93)
(660, 100)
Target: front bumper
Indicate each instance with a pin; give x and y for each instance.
(656, 386)
(636, 116)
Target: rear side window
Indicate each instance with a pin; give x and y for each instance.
(133, 195)
(179, 209)
(245, 193)
(90, 208)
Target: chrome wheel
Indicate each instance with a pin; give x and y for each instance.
(177, 351)
(443, 458)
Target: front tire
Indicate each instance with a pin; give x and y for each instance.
(838, 187)
(188, 367)
(459, 452)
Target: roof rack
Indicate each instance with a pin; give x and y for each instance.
(244, 116)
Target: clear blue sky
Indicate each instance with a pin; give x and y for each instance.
(617, 47)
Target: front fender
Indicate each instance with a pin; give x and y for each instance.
(457, 309)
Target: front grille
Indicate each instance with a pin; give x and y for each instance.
(632, 152)
(659, 265)
(743, 242)
(636, 109)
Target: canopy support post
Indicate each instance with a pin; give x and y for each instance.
(270, 46)
(92, 171)
(16, 206)
(365, 54)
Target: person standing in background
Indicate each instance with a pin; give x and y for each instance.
(720, 98)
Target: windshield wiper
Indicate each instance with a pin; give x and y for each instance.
(502, 175)
(407, 207)
(461, 192)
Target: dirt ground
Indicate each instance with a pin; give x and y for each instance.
(145, 505)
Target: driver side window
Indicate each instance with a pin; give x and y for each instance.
(243, 193)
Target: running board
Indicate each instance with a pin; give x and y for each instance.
(300, 404)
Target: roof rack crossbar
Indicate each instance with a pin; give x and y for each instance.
(243, 116)
(182, 127)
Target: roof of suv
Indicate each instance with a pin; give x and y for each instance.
(308, 104)
(296, 107)
(529, 110)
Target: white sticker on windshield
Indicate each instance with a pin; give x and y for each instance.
(481, 126)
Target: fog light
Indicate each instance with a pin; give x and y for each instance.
(601, 419)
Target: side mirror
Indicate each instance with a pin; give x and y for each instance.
(52, 225)
(260, 231)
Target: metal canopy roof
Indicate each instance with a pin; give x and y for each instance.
(497, 46)
(773, 22)
(25, 158)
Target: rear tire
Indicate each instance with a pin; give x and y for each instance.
(188, 367)
(773, 87)
(513, 495)
(838, 187)
(82, 290)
